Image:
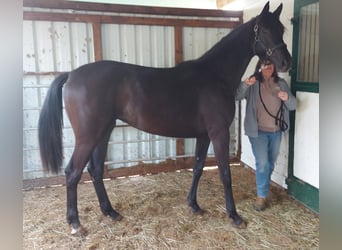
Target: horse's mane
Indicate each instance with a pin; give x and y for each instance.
(217, 49)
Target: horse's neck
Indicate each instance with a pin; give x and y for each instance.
(231, 56)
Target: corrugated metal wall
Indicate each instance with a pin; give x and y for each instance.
(48, 47)
(51, 47)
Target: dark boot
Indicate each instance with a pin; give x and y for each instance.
(260, 204)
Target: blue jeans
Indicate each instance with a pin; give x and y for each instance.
(265, 148)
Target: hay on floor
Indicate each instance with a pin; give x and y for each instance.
(156, 216)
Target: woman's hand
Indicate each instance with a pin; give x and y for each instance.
(283, 95)
(250, 81)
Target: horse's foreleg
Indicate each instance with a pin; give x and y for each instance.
(226, 179)
(221, 148)
(202, 144)
(95, 169)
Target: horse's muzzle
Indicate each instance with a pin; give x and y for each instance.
(285, 65)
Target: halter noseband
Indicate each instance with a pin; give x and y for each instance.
(268, 51)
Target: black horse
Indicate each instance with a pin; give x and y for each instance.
(193, 99)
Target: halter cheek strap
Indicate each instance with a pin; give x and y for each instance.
(268, 51)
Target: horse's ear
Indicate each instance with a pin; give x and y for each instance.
(278, 10)
(265, 9)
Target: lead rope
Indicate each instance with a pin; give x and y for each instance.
(279, 118)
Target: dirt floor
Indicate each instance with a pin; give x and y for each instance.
(156, 216)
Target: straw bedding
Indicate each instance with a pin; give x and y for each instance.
(156, 216)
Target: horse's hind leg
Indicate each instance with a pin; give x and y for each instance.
(202, 145)
(95, 169)
(73, 174)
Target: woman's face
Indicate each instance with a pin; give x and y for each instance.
(267, 70)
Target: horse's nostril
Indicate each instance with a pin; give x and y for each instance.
(287, 63)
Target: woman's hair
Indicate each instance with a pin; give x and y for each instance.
(258, 73)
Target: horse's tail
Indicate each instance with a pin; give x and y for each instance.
(50, 126)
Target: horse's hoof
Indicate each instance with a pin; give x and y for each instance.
(242, 225)
(117, 217)
(79, 231)
(197, 211)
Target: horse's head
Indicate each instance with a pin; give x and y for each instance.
(268, 43)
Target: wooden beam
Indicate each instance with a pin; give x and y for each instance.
(97, 41)
(67, 17)
(135, 9)
(180, 148)
(142, 169)
(178, 44)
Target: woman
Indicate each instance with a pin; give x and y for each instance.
(269, 100)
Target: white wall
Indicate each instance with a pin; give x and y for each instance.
(280, 171)
(306, 148)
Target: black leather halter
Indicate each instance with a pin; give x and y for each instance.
(268, 51)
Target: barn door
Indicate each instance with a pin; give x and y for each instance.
(303, 172)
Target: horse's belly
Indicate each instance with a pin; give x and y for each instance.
(167, 126)
(176, 131)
